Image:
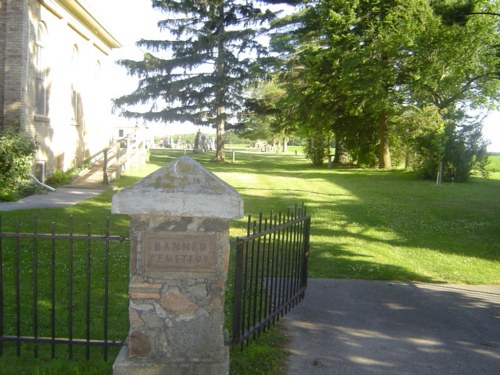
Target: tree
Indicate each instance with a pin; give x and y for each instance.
(198, 72)
(349, 67)
(261, 118)
(465, 150)
(458, 77)
(357, 67)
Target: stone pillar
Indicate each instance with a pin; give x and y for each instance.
(179, 235)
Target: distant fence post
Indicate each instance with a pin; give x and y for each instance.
(179, 236)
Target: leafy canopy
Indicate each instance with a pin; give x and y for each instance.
(357, 68)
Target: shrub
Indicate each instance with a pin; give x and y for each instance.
(60, 177)
(17, 153)
(464, 153)
(462, 150)
(26, 189)
(317, 147)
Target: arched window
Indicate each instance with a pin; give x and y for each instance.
(41, 92)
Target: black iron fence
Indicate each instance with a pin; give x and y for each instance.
(55, 291)
(271, 272)
(68, 293)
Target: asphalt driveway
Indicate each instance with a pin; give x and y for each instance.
(375, 327)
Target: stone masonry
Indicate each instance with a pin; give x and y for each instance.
(179, 259)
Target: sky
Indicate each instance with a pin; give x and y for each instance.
(131, 20)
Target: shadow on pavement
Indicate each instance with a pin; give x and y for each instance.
(380, 327)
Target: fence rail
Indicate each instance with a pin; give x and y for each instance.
(271, 271)
(55, 289)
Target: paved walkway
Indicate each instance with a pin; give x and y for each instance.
(83, 187)
(354, 327)
(65, 196)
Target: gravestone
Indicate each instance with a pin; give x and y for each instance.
(179, 235)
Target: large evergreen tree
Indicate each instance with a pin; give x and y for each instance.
(198, 72)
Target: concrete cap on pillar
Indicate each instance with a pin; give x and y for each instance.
(181, 188)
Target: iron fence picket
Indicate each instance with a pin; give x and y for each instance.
(35, 287)
(87, 291)
(70, 290)
(257, 281)
(267, 250)
(53, 289)
(272, 296)
(286, 275)
(18, 292)
(1, 291)
(106, 291)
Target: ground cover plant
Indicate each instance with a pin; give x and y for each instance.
(369, 224)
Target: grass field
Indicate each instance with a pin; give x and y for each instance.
(375, 224)
(494, 163)
(368, 224)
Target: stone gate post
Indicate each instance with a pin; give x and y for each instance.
(179, 234)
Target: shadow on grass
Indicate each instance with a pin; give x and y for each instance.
(392, 214)
(365, 223)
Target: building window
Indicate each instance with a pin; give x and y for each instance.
(41, 89)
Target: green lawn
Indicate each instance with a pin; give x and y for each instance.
(375, 224)
(369, 224)
(494, 163)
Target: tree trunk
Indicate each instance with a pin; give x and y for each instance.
(219, 143)
(384, 153)
(340, 156)
(285, 144)
(221, 90)
(407, 157)
(337, 151)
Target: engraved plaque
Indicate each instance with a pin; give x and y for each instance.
(179, 252)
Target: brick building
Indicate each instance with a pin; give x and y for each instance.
(54, 64)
